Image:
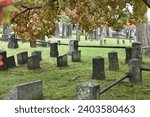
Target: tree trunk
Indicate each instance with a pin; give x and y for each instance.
(143, 36)
(33, 44)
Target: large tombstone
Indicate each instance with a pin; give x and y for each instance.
(11, 62)
(98, 68)
(135, 73)
(69, 30)
(96, 34)
(73, 46)
(113, 61)
(3, 60)
(28, 91)
(53, 49)
(57, 31)
(88, 91)
(64, 30)
(38, 54)
(33, 62)
(76, 56)
(22, 58)
(6, 31)
(62, 61)
(137, 50)
(128, 52)
(13, 43)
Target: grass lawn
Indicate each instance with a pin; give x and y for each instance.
(56, 81)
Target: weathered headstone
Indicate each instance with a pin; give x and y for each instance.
(105, 41)
(123, 41)
(117, 41)
(13, 43)
(3, 60)
(96, 33)
(38, 54)
(62, 61)
(135, 71)
(73, 46)
(69, 30)
(11, 62)
(76, 56)
(88, 91)
(22, 58)
(6, 31)
(128, 52)
(98, 68)
(64, 30)
(101, 42)
(113, 61)
(137, 50)
(53, 49)
(33, 62)
(27, 91)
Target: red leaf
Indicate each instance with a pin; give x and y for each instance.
(1, 15)
(5, 3)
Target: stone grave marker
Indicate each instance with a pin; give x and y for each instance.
(6, 31)
(128, 52)
(22, 58)
(33, 62)
(38, 54)
(117, 41)
(123, 41)
(54, 49)
(137, 50)
(3, 60)
(88, 91)
(11, 62)
(13, 43)
(101, 42)
(76, 56)
(62, 61)
(105, 41)
(98, 68)
(73, 46)
(113, 61)
(28, 91)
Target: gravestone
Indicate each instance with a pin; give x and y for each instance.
(137, 50)
(38, 54)
(117, 41)
(73, 46)
(123, 41)
(53, 49)
(64, 30)
(113, 61)
(86, 36)
(128, 52)
(135, 73)
(57, 31)
(11, 62)
(101, 42)
(98, 68)
(62, 61)
(33, 62)
(105, 41)
(76, 56)
(28, 91)
(22, 58)
(3, 60)
(13, 43)
(96, 33)
(69, 30)
(88, 91)
(77, 34)
(6, 31)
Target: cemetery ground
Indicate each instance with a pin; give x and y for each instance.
(60, 83)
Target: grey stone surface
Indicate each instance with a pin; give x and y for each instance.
(3, 60)
(62, 61)
(13, 43)
(98, 68)
(54, 50)
(113, 61)
(137, 50)
(11, 62)
(73, 46)
(33, 62)
(38, 54)
(22, 58)
(135, 71)
(76, 56)
(88, 91)
(128, 52)
(27, 91)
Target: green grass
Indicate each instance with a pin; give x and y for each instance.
(56, 81)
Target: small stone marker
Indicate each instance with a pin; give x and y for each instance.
(3, 60)
(22, 58)
(76, 56)
(123, 41)
(62, 61)
(98, 68)
(128, 52)
(38, 54)
(113, 61)
(105, 41)
(11, 62)
(117, 41)
(33, 62)
(88, 91)
(137, 50)
(13, 43)
(28, 91)
(53, 49)
(73, 46)
(101, 42)
(135, 71)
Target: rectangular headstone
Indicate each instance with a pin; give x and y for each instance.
(13, 43)
(11, 62)
(128, 52)
(137, 50)
(3, 60)
(76, 56)
(73, 46)
(62, 61)
(53, 49)
(38, 54)
(33, 62)
(27, 91)
(22, 58)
